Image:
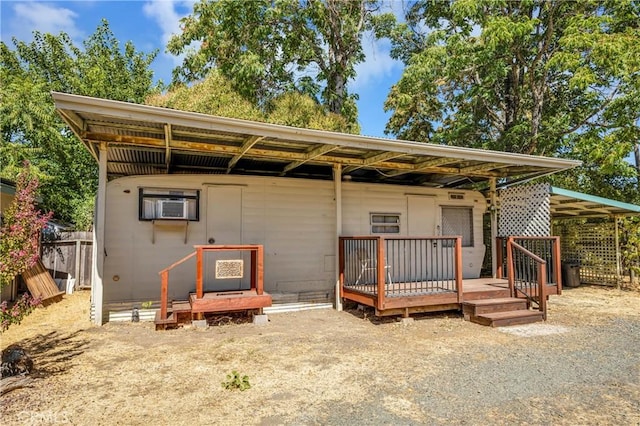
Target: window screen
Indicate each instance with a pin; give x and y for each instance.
(458, 221)
(385, 223)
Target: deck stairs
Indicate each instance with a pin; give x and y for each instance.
(500, 312)
(178, 313)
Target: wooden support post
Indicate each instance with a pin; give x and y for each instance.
(164, 292)
(337, 186)
(542, 289)
(380, 261)
(77, 265)
(260, 271)
(498, 242)
(493, 212)
(254, 271)
(557, 263)
(458, 268)
(199, 287)
(341, 267)
(510, 267)
(97, 288)
(617, 244)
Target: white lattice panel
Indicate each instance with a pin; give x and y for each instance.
(226, 269)
(593, 246)
(525, 211)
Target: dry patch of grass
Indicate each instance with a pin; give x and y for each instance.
(303, 367)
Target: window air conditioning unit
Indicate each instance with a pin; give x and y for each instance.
(172, 209)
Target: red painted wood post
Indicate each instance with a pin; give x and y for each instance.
(260, 271)
(558, 263)
(542, 289)
(381, 272)
(199, 288)
(254, 271)
(510, 267)
(499, 259)
(458, 268)
(164, 291)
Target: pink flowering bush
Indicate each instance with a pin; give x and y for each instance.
(14, 314)
(20, 232)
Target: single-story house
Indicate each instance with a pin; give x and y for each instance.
(321, 205)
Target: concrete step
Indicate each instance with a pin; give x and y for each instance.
(486, 306)
(502, 319)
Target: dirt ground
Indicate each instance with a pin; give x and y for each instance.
(326, 367)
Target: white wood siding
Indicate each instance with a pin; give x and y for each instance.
(293, 218)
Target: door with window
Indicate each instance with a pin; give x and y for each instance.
(222, 270)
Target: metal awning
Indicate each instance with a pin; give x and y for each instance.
(571, 204)
(144, 140)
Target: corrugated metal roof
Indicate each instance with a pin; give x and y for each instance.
(572, 204)
(148, 140)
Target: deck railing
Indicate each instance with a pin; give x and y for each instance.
(547, 248)
(527, 275)
(257, 270)
(389, 267)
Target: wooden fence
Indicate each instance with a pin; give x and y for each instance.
(69, 256)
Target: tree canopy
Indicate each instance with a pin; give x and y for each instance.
(268, 48)
(30, 127)
(215, 95)
(547, 77)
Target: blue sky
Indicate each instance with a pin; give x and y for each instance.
(149, 25)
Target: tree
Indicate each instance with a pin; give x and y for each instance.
(30, 127)
(533, 76)
(215, 95)
(267, 48)
(21, 227)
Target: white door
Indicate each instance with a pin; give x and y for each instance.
(224, 226)
(421, 222)
(421, 212)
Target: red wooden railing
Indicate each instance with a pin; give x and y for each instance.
(547, 248)
(527, 275)
(257, 270)
(374, 269)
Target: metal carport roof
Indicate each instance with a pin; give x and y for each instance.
(144, 139)
(571, 204)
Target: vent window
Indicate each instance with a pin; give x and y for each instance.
(385, 223)
(456, 196)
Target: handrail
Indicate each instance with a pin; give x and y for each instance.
(164, 288)
(540, 278)
(257, 270)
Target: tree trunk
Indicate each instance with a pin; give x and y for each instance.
(636, 151)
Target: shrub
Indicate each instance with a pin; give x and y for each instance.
(14, 314)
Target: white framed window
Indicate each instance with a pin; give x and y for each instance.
(164, 203)
(385, 223)
(458, 221)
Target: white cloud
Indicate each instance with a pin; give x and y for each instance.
(43, 17)
(378, 64)
(167, 15)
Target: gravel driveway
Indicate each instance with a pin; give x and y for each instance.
(325, 367)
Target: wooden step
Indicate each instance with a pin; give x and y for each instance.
(162, 324)
(180, 306)
(502, 319)
(486, 306)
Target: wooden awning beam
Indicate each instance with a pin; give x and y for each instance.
(246, 146)
(314, 153)
(167, 140)
(378, 158)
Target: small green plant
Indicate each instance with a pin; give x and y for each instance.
(236, 382)
(146, 305)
